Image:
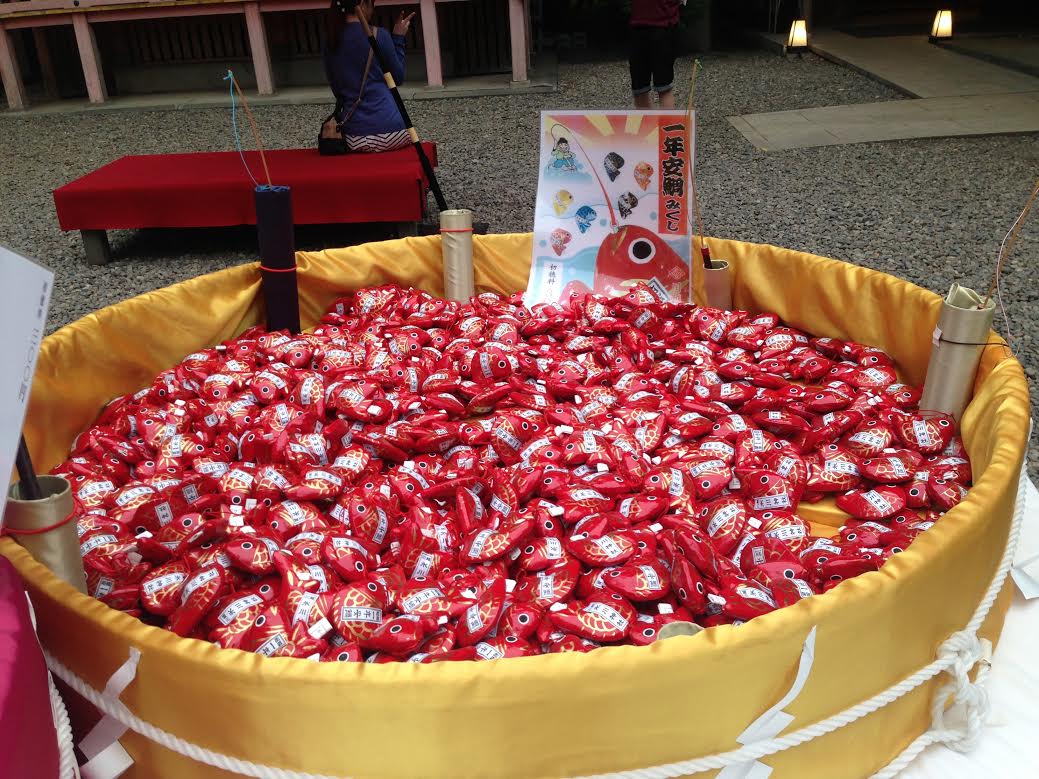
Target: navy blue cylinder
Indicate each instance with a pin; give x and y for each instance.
(275, 231)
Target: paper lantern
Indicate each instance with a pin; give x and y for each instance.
(941, 30)
(798, 40)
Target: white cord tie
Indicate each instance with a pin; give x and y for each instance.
(970, 699)
(774, 720)
(106, 758)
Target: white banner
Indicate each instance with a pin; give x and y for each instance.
(25, 293)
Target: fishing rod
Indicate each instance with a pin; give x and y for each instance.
(387, 75)
(275, 230)
(705, 250)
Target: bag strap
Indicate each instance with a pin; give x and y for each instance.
(335, 112)
(360, 90)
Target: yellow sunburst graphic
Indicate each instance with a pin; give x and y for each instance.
(596, 127)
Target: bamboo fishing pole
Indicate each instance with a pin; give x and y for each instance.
(275, 231)
(1009, 241)
(427, 168)
(705, 250)
(252, 126)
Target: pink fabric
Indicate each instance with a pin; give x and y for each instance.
(28, 741)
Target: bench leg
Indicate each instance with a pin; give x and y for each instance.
(407, 229)
(95, 242)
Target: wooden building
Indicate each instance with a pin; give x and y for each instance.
(98, 48)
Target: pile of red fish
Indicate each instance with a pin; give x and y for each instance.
(419, 479)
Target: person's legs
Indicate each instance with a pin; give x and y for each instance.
(640, 64)
(664, 65)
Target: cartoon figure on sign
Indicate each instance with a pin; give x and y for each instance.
(584, 217)
(613, 164)
(625, 204)
(559, 238)
(562, 201)
(562, 157)
(632, 255)
(643, 173)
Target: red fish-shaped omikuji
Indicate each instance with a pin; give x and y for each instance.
(603, 617)
(427, 480)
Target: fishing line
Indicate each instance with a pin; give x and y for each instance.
(1005, 248)
(252, 126)
(606, 195)
(234, 125)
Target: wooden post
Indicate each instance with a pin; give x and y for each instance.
(9, 71)
(89, 59)
(43, 55)
(431, 43)
(527, 29)
(258, 46)
(518, 34)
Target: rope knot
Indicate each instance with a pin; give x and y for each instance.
(959, 726)
(965, 648)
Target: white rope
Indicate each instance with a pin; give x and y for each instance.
(960, 652)
(118, 711)
(972, 698)
(66, 749)
(68, 768)
(957, 655)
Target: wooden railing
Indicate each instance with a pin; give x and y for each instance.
(478, 46)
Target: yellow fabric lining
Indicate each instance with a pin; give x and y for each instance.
(558, 715)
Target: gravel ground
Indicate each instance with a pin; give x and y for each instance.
(931, 211)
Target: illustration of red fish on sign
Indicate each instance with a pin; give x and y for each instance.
(613, 205)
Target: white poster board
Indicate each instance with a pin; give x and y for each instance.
(25, 294)
(614, 204)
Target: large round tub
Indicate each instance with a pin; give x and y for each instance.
(612, 710)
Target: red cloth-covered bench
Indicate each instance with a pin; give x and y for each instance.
(213, 189)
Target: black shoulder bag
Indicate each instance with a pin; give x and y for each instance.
(330, 140)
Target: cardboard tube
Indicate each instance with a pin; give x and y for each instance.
(718, 285)
(957, 343)
(58, 549)
(456, 243)
(680, 628)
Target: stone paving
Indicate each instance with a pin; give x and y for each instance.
(958, 95)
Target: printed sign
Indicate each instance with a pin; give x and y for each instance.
(613, 204)
(25, 291)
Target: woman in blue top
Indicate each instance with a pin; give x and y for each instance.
(368, 117)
